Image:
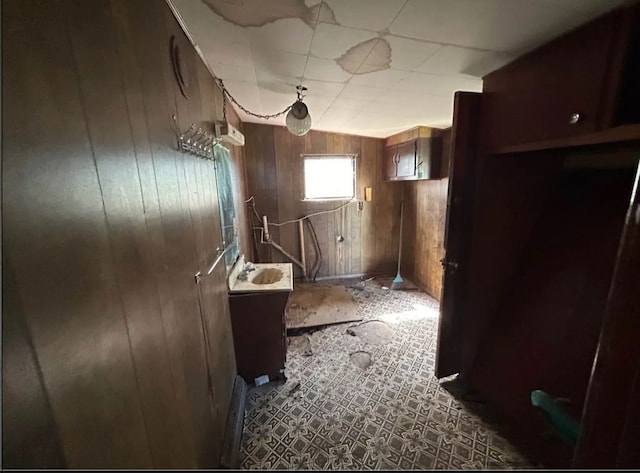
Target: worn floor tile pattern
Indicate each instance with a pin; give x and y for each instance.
(393, 415)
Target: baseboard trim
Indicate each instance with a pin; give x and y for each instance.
(350, 276)
(230, 458)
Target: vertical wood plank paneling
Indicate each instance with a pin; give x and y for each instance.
(208, 439)
(353, 214)
(53, 213)
(424, 227)
(284, 192)
(253, 171)
(387, 217)
(269, 205)
(368, 168)
(160, 190)
(296, 164)
(94, 187)
(366, 248)
(107, 116)
(338, 220)
(261, 148)
(30, 437)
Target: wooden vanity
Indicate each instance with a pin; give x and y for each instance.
(257, 319)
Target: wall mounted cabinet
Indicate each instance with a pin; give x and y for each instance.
(412, 160)
(578, 84)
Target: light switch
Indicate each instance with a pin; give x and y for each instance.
(367, 194)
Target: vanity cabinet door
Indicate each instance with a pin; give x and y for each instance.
(259, 333)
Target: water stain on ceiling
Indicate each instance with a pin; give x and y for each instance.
(368, 56)
(247, 13)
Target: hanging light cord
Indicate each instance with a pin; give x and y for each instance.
(225, 93)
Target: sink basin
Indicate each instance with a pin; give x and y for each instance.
(267, 277)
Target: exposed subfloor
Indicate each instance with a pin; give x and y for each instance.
(366, 398)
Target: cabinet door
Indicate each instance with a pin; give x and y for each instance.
(407, 159)
(429, 158)
(390, 161)
(257, 321)
(551, 93)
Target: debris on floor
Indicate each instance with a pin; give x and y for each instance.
(320, 305)
(260, 380)
(294, 387)
(361, 285)
(357, 405)
(361, 359)
(301, 343)
(374, 332)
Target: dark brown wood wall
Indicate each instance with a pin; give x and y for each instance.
(105, 224)
(425, 207)
(550, 310)
(275, 179)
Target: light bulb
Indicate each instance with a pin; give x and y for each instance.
(298, 119)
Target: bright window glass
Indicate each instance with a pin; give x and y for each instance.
(329, 177)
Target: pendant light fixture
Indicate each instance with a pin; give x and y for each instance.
(298, 119)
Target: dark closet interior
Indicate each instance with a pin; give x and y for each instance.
(547, 321)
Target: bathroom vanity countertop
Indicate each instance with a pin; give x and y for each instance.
(284, 284)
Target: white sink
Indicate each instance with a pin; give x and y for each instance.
(266, 277)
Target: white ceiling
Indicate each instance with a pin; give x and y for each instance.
(372, 67)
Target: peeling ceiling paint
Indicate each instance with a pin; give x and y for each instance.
(248, 13)
(373, 67)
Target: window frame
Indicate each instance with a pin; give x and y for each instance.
(320, 156)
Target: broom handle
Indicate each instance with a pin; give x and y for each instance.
(400, 242)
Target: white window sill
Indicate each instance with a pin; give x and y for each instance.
(336, 199)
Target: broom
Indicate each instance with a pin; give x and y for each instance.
(399, 283)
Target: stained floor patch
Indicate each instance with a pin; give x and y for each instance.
(373, 332)
(361, 359)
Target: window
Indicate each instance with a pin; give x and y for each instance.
(329, 177)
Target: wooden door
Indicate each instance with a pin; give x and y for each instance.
(610, 429)
(407, 159)
(390, 161)
(464, 137)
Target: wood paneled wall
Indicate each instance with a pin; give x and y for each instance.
(105, 359)
(275, 179)
(425, 207)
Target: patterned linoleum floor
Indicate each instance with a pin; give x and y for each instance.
(332, 414)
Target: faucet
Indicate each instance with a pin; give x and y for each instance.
(247, 267)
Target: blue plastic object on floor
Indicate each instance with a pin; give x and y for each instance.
(561, 422)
